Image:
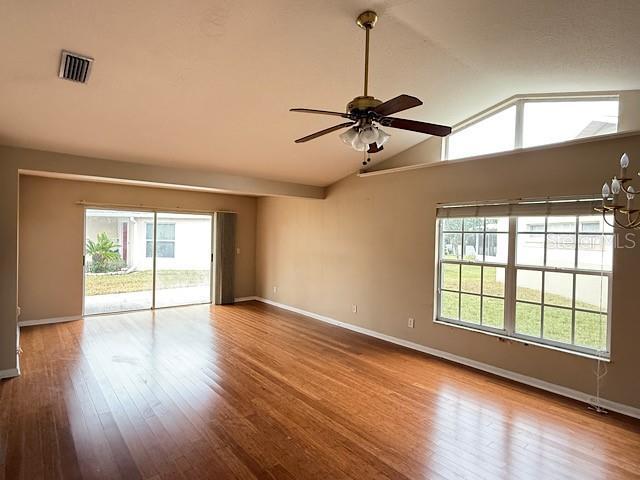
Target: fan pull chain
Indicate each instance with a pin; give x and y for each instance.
(365, 157)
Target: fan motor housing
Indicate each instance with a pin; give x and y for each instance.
(362, 104)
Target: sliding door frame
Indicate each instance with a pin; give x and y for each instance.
(154, 211)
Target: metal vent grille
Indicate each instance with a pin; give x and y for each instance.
(74, 67)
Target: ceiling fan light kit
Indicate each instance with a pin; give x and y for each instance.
(367, 114)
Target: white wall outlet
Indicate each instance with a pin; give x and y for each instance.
(354, 308)
(275, 289)
(238, 251)
(411, 323)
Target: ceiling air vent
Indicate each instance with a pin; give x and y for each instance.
(74, 67)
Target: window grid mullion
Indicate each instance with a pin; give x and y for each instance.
(154, 260)
(484, 253)
(510, 279)
(519, 128)
(575, 277)
(544, 275)
(460, 286)
(481, 295)
(498, 297)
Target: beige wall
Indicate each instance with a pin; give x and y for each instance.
(371, 242)
(52, 237)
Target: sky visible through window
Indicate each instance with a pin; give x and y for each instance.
(493, 134)
(543, 123)
(551, 122)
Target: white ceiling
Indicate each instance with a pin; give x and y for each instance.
(208, 84)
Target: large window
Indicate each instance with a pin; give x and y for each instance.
(541, 278)
(529, 122)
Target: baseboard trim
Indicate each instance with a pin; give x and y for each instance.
(12, 372)
(45, 321)
(245, 299)
(517, 377)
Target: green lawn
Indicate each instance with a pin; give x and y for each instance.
(590, 327)
(141, 281)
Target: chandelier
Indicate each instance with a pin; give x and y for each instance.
(621, 212)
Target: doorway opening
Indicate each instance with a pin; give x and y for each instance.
(139, 260)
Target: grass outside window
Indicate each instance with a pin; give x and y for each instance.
(556, 299)
(142, 281)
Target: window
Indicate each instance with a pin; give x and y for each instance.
(552, 121)
(491, 134)
(529, 122)
(542, 278)
(166, 244)
(473, 254)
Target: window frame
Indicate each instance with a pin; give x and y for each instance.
(510, 288)
(519, 101)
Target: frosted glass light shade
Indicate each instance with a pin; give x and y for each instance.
(348, 136)
(383, 137)
(358, 144)
(368, 135)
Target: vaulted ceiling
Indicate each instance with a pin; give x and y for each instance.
(208, 84)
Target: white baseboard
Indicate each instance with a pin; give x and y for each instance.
(45, 321)
(245, 299)
(12, 372)
(531, 381)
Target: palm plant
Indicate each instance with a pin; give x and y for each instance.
(103, 251)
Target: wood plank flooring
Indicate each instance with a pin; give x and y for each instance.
(251, 391)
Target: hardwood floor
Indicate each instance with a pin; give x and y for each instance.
(251, 391)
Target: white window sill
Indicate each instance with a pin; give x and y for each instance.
(524, 341)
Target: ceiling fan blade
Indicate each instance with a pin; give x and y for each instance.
(324, 132)
(415, 126)
(398, 104)
(374, 148)
(320, 112)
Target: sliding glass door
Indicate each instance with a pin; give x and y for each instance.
(117, 276)
(183, 259)
(143, 260)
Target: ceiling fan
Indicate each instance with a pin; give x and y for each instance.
(366, 114)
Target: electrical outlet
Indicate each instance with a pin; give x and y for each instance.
(411, 323)
(275, 289)
(238, 251)
(354, 308)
